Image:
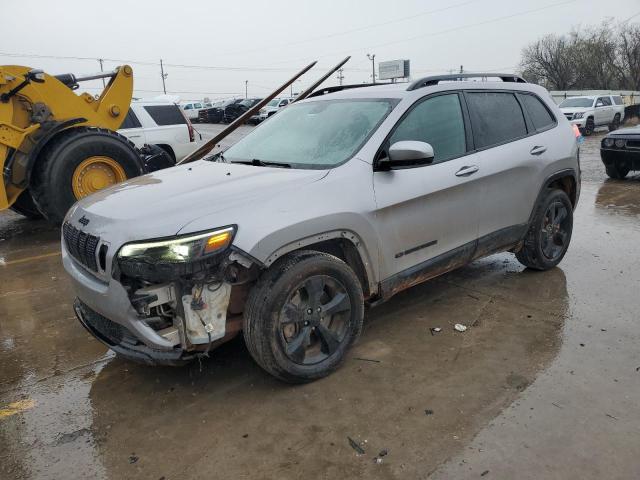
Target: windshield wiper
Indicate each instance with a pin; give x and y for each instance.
(217, 157)
(256, 162)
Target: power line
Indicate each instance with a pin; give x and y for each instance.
(441, 32)
(355, 30)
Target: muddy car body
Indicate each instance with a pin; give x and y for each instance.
(287, 240)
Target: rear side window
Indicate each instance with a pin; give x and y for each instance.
(496, 117)
(188, 107)
(131, 121)
(540, 115)
(437, 121)
(617, 99)
(166, 114)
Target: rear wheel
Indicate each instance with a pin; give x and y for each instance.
(549, 233)
(617, 171)
(78, 163)
(303, 315)
(25, 206)
(615, 124)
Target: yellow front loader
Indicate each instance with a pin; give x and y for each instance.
(57, 146)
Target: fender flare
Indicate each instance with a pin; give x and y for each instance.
(341, 234)
(28, 161)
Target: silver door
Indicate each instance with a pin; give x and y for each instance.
(427, 211)
(509, 159)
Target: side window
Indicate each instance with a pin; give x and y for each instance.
(166, 114)
(131, 121)
(283, 103)
(606, 101)
(496, 117)
(617, 99)
(539, 113)
(438, 121)
(197, 105)
(600, 102)
(188, 107)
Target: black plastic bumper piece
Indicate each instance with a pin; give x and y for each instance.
(123, 343)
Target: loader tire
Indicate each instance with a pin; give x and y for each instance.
(25, 206)
(80, 162)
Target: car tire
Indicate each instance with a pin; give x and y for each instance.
(303, 315)
(549, 232)
(25, 206)
(617, 171)
(615, 124)
(60, 167)
(589, 127)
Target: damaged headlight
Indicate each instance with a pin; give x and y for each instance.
(183, 249)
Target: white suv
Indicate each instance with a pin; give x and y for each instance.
(192, 109)
(160, 123)
(593, 111)
(273, 106)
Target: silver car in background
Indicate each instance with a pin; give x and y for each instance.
(340, 201)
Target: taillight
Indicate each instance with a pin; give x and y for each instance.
(192, 134)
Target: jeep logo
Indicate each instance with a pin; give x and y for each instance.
(84, 221)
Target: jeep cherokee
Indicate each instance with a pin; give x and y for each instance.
(340, 201)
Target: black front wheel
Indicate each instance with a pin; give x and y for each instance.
(303, 315)
(589, 127)
(549, 232)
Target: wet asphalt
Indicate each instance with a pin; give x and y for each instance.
(544, 384)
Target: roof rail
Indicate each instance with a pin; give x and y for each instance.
(436, 79)
(339, 88)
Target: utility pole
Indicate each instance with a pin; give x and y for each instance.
(340, 76)
(372, 57)
(246, 89)
(461, 69)
(102, 70)
(164, 77)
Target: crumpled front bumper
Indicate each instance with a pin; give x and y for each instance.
(110, 300)
(123, 342)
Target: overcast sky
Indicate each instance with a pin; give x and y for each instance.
(226, 42)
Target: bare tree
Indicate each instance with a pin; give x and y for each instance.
(602, 57)
(627, 63)
(550, 61)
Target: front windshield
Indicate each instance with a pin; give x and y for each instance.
(577, 102)
(318, 134)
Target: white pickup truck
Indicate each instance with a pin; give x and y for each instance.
(594, 111)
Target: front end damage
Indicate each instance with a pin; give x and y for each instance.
(163, 316)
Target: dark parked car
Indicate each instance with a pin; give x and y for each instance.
(215, 114)
(234, 110)
(620, 151)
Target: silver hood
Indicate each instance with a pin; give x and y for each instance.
(162, 203)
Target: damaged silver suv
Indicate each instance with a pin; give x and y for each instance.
(340, 201)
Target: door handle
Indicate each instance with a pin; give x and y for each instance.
(538, 150)
(467, 170)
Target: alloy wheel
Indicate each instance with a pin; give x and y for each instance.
(314, 319)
